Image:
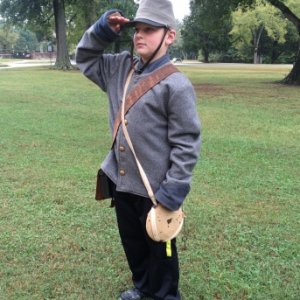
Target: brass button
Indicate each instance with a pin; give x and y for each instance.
(122, 172)
(122, 148)
(126, 122)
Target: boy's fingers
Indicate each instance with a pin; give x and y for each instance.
(114, 20)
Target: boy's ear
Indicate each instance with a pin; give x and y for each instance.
(171, 35)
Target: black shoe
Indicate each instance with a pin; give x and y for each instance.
(132, 294)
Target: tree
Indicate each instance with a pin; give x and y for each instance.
(176, 50)
(26, 41)
(290, 11)
(14, 39)
(294, 76)
(250, 24)
(284, 53)
(207, 27)
(62, 58)
(38, 13)
(8, 37)
(81, 15)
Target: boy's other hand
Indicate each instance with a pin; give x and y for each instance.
(115, 21)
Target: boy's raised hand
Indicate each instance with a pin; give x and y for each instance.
(115, 21)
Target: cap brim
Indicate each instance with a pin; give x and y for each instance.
(144, 21)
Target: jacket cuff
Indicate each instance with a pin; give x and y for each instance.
(103, 30)
(172, 195)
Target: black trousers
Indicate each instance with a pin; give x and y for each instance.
(155, 271)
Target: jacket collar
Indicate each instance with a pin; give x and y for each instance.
(154, 65)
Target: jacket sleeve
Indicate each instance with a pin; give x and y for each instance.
(95, 65)
(185, 140)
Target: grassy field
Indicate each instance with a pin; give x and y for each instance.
(241, 239)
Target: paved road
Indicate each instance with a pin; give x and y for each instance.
(25, 63)
(37, 63)
(233, 65)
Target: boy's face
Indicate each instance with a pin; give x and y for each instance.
(147, 38)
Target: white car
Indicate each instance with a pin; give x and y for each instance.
(176, 59)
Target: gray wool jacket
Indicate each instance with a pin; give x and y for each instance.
(164, 125)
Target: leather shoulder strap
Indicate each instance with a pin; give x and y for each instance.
(142, 88)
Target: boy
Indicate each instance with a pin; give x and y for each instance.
(164, 128)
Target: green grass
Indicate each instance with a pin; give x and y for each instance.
(241, 238)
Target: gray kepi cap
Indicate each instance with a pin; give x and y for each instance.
(157, 13)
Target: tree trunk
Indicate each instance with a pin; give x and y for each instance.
(62, 59)
(294, 77)
(255, 48)
(256, 40)
(205, 53)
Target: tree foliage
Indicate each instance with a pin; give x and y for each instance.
(250, 24)
(26, 40)
(209, 22)
(67, 18)
(16, 39)
(8, 37)
(39, 14)
(82, 14)
(207, 27)
(291, 13)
